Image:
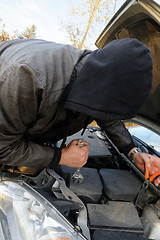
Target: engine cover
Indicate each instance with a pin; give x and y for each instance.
(114, 215)
(120, 184)
(90, 190)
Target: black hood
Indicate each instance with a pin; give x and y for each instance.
(114, 82)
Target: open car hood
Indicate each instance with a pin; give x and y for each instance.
(140, 19)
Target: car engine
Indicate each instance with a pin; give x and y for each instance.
(116, 205)
(111, 191)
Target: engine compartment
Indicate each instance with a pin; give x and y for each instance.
(110, 204)
(110, 192)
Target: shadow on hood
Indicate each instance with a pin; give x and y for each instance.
(114, 82)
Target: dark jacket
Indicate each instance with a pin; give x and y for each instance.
(35, 79)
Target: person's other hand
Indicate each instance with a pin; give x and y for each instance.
(73, 155)
(152, 162)
(155, 167)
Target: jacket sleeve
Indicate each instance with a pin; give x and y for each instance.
(118, 134)
(19, 102)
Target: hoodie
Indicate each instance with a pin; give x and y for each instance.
(114, 82)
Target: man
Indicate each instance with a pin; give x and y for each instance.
(49, 91)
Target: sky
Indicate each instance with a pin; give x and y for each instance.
(45, 14)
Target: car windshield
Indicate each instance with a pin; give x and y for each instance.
(145, 135)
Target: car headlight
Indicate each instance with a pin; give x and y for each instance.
(25, 214)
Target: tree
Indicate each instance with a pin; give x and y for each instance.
(29, 32)
(4, 35)
(90, 15)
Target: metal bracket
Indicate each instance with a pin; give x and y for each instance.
(68, 194)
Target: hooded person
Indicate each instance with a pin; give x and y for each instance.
(114, 82)
(49, 91)
(113, 85)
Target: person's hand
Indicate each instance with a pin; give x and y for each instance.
(152, 162)
(140, 159)
(155, 167)
(73, 155)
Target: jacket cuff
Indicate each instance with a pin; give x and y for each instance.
(127, 148)
(56, 159)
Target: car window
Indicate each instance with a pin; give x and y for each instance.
(146, 135)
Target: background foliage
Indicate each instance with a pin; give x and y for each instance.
(29, 32)
(85, 20)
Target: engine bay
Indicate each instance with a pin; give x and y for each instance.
(111, 192)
